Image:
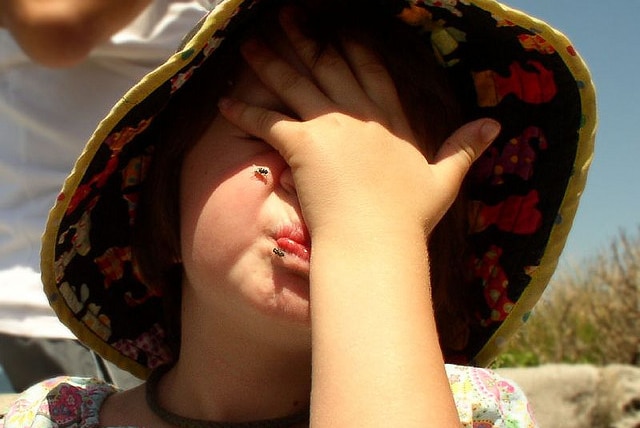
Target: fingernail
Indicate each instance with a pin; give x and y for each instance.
(490, 130)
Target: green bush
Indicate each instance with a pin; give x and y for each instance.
(590, 313)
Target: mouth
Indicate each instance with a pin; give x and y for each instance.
(293, 240)
(289, 246)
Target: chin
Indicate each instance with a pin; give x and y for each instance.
(290, 301)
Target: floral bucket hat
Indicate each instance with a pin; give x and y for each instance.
(523, 191)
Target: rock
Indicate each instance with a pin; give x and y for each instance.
(572, 396)
(620, 396)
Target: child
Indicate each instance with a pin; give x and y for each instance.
(262, 234)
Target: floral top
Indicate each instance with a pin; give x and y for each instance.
(483, 398)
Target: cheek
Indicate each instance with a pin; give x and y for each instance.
(218, 221)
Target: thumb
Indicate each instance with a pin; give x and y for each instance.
(463, 147)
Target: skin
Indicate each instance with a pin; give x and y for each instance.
(61, 33)
(373, 357)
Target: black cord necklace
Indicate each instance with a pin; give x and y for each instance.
(151, 394)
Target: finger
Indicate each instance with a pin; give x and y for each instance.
(270, 126)
(461, 149)
(373, 77)
(296, 90)
(329, 68)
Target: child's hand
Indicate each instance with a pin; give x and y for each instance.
(352, 152)
(368, 196)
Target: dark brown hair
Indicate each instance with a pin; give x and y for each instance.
(429, 103)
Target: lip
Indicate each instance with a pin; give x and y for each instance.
(294, 240)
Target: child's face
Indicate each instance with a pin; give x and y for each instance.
(238, 202)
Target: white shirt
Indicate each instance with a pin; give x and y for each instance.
(46, 117)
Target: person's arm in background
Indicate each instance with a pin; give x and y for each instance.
(61, 33)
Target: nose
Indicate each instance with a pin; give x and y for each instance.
(286, 181)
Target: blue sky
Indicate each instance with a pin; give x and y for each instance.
(606, 36)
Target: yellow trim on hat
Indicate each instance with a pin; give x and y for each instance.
(541, 275)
